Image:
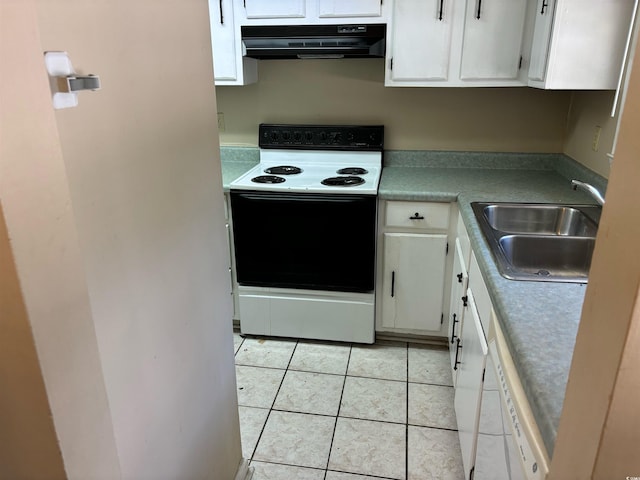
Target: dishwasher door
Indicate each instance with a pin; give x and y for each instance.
(509, 445)
(496, 455)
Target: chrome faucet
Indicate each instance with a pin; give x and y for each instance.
(590, 189)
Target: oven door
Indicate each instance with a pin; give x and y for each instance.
(306, 241)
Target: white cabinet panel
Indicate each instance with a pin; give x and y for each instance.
(421, 41)
(223, 39)
(541, 39)
(418, 215)
(459, 282)
(472, 357)
(412, 286)
(229, 67)
(275, 8)
(351, 8)
(492, 39)
(579, 44)
(480, 293)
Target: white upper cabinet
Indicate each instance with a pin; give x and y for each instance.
(275, 8)
(579, 44)
(419, 47)
(492, 39)
(456, 43)
(229, 66)
(309, 12)
(350, 8)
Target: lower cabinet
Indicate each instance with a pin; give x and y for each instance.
(412, 285)
(412, 264)
(459, 282)
(471, 352)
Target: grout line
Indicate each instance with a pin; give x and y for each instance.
(406, 427)
(272, 403)
(344, 381)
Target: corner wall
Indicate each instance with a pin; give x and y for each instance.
(590, 110)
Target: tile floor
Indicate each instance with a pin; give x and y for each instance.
(334, 411)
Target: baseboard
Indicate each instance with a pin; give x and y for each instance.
(245, 472)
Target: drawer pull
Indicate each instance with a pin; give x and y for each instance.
(416, 216)
(458, 348)
(453, 328)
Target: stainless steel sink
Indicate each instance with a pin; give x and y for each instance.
(540, 219)
(541, 242)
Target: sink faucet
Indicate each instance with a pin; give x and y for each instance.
(590, 189)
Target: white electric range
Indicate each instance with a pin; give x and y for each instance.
(304, 232)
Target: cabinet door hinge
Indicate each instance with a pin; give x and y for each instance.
(483, 372)
(391, 64)
(447, 250)
(520, 63)
(441, 319)
(472, 472)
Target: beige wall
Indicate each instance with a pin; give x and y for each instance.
(590, 110)
(114, 212)
(42, 238)
(352, 91)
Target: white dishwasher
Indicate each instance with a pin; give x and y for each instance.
(509, 444)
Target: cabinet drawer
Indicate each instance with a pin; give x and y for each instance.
(419, 215)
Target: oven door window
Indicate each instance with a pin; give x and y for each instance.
(306, 241)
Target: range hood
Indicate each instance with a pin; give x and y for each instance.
(314, 41)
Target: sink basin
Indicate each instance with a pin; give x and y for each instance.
(540, 219)
(540, 242)
(549, 257)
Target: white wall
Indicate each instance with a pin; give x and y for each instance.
(115, 214)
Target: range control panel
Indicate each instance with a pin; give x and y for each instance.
(322, 137)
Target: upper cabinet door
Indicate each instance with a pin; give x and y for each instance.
(421, 40)
(223, 40)
(350, 8)
(492, 42)
(580, 44)
(275, 8)
(541, 39)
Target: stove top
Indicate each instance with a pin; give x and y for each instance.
(316, 159)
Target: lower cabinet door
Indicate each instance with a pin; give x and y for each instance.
(472, 354)
(459, 281)
(413, 281)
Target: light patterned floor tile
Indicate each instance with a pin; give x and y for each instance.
(321, 357)
(431, 406)
(296, 439)
(260, 352)
(307, 392)
(349, 476)
(369, 448)
(429, 365)
(251, 422)
(374, 399)
(257, 387)
(384, 361)
(272, 471)
(434, 454)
